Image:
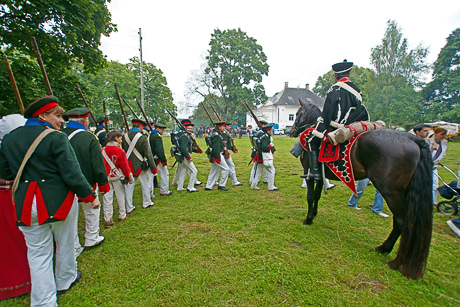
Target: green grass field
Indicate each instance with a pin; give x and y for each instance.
(249, 248)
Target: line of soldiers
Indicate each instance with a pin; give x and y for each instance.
(57, 171)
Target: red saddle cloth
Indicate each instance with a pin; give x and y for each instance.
(337, 158)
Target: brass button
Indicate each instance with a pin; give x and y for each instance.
(51, 217)
(43, 180)
(27, 181)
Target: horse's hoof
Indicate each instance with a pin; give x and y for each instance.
(381, 250)
(308, 222)
(392, 265)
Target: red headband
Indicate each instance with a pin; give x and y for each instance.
(45, 108)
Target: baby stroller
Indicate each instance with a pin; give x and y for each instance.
(449, 191)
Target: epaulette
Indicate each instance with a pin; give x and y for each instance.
(185, 133)
(46, 128)
(159, 134)
(216, 133)
(93, 135)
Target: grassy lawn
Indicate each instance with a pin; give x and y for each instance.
(249, 248)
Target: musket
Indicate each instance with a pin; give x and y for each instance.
(253, 115)
(87, 105)
(235, 150)
(143, 113)
(42, 67)
(13, 83)
(226, 154)
(131, 109)
(122, 110)
(198, 149)
(105, 118)
(217, 114)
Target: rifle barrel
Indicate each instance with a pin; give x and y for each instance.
(143, 113)
(122, 110)
(42, 67)
(87, 105)
(131, 109)
(13, 83)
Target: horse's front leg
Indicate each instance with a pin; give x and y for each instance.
(312, 199)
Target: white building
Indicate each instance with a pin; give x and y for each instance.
(281, 108)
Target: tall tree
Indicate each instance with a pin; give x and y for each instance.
(393, 94)
(442, 94)
(66, 31)
(235, 65)
(158, 95)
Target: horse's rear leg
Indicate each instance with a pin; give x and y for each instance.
(313, 196)
(389, 243)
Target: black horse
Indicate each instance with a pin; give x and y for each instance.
(400, 167)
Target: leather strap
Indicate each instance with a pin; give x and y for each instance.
(29, 153)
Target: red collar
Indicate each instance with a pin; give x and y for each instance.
(345, 79)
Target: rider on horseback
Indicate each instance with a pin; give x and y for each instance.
(342, 107)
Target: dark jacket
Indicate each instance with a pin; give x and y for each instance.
(89, 156)
(156, 146)
(52, 174)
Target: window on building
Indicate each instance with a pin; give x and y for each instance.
(291, 116)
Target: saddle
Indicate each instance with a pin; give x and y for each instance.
(336, 157)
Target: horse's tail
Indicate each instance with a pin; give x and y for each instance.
(416, 233)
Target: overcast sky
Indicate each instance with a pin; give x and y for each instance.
(301, 39)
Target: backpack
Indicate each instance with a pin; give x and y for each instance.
(175, 136)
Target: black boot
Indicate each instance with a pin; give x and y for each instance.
(314, 165)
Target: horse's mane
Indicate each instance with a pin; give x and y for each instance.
(311, 113)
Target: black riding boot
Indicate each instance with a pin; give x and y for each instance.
(314, 165)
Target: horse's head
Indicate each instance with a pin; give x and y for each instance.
(305, 117)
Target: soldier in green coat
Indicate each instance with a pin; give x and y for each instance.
(44, 197)
(266, 149)
(217, 160)
(100, 131)
(158, 152)
(140, 159)
(89, 156)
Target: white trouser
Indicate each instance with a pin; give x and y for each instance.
(164, 178)
(92, 236)
(119, 189)
(129, 190)
(187, 168)
(216, 168)
(253, 173)
(232, 171)
(177, 173)
(40, 241)
(269, 172)
(435, 186)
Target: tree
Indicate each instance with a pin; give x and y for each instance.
(359, 76)
(442, 94)
(235, 65)
(67, 32)
(392, 90)
(126, 77)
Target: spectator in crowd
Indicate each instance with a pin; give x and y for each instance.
(421, 130)
(438, 147)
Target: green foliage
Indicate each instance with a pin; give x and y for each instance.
(392, 90)
(234, 70)
(127, 78)
(443, 93)
(67, 32)
(249, 248)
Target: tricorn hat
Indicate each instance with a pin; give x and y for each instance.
(342, 67)
(41, 105)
